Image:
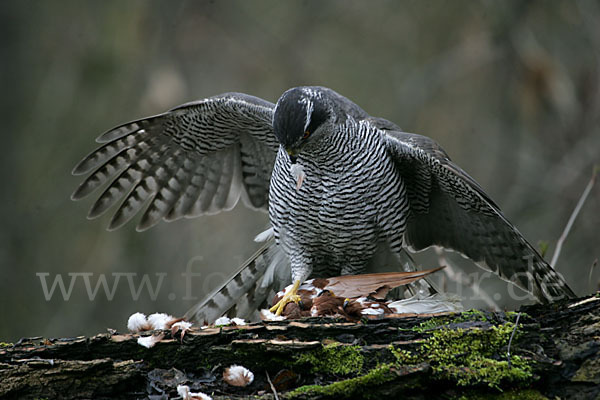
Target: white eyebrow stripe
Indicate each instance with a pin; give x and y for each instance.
(309, 109)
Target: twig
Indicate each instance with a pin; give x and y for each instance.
(461, 279)
(574, 214)
(594, 264)
(511, 337)
(272, 387)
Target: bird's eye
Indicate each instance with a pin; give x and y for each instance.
(306, 135)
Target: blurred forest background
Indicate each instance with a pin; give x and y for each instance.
(511, 90)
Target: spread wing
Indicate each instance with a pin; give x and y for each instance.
(448, 208)
(198, 158)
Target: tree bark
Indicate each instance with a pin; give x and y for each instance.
(555, 352)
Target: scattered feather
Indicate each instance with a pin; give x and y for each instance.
(184, 392)
(372, 311)
(297, 172)
(150, 341)
(182, 326)
(236, 375)
(160, 320)
(267, 315)
(222, 321)
(138, 323)
(437, 303)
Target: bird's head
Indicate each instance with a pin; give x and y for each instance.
(302, 115)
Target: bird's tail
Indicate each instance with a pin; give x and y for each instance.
(242, 295)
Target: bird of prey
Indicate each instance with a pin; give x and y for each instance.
(341, 187)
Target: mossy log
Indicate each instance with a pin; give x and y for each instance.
(555, 352)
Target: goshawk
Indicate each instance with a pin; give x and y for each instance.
(340, 187)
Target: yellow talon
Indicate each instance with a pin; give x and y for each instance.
(346, 302)
(288, 297)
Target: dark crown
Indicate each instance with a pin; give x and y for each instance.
(289, 121)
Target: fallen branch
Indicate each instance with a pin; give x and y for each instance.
(554, 352)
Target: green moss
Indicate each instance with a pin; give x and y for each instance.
(334, 358)
(404, 357)
(588, 372)
(436, 322)
(347, 388)
(431, 323)
(465, 357)
(471, 315)
(512, 315)
(5, 344)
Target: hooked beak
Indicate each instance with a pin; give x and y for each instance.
(292, 154)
